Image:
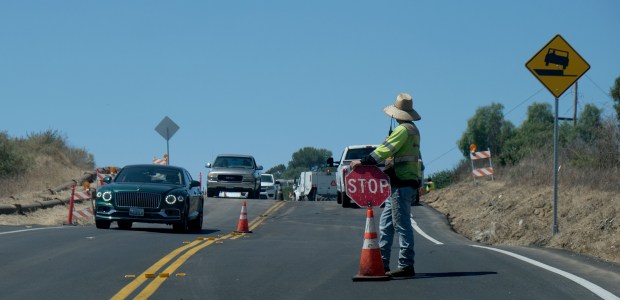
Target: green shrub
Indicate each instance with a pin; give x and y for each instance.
(12, 161)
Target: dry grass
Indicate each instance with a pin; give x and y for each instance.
(46, 173)
(517, 207)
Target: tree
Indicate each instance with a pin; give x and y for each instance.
(615, 94)
(486, 129)
(310, 158)
(306, 159)
(536, 132)
(277, 171)
(589, 123)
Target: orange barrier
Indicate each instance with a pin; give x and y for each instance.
(76, 195)
(371, 264)
(485, 171)
(158, 161)
(242, 227)
(84, 214)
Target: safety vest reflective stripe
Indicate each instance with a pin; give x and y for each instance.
(389, 146)
(410, 129)
(406, 158)
(375, 156)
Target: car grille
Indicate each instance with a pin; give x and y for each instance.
(232, 178)
(137, 199)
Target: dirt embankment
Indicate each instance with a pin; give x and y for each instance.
(493, 212)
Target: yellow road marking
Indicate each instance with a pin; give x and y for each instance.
(263, 217)
(189, 249)
(154, 285)
(132, 286)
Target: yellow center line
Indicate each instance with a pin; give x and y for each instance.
(190, 249)
(132, 286)
(257, 221)
(154, 285)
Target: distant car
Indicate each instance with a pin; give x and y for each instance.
(234, 173)
(150, 194)
(268, 186)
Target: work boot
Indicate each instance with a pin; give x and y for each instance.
(404, 272)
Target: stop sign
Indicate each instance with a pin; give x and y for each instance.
(368, 185)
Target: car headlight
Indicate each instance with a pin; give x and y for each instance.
(106, 196)
(171, 199)
(180, 198)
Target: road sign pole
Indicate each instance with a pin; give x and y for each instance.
(555, 170)
(167, 147)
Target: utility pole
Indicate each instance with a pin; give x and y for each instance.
(575, 105)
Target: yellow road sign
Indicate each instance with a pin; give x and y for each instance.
(557, 66)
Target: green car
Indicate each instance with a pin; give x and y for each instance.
(150, 194)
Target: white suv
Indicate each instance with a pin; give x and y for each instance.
(349, 154)
(267, 186)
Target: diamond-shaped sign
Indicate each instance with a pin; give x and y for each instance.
(557, 66)
(167, 128)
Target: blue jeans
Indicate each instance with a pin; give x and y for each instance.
(396, 218)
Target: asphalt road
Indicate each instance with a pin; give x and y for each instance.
(297, 250)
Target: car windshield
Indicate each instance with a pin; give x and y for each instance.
(266, 178)
(358, 153)
(150, 175)
(233, 162)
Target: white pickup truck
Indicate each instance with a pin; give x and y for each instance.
(349, 154)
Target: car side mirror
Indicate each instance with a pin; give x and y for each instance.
(330, 161)
(107, 179)
(277, 181)
(259, 167)
(208, 166)
(194, 183)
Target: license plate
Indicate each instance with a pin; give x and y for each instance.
(136, 212)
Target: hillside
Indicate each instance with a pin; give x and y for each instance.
(498, 213)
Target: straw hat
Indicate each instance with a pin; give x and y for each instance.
(402, 109)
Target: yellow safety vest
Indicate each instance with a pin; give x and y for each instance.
(404, 146)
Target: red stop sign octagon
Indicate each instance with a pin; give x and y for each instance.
(368, 185)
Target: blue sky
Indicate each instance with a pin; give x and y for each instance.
(270, 77)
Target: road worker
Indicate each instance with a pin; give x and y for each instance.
(403, 145)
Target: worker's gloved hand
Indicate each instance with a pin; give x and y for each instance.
(354, 164)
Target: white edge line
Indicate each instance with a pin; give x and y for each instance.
(422, 233)
(31, 229)
(599, 291)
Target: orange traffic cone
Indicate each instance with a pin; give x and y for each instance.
(371, 264)
(243, 220)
